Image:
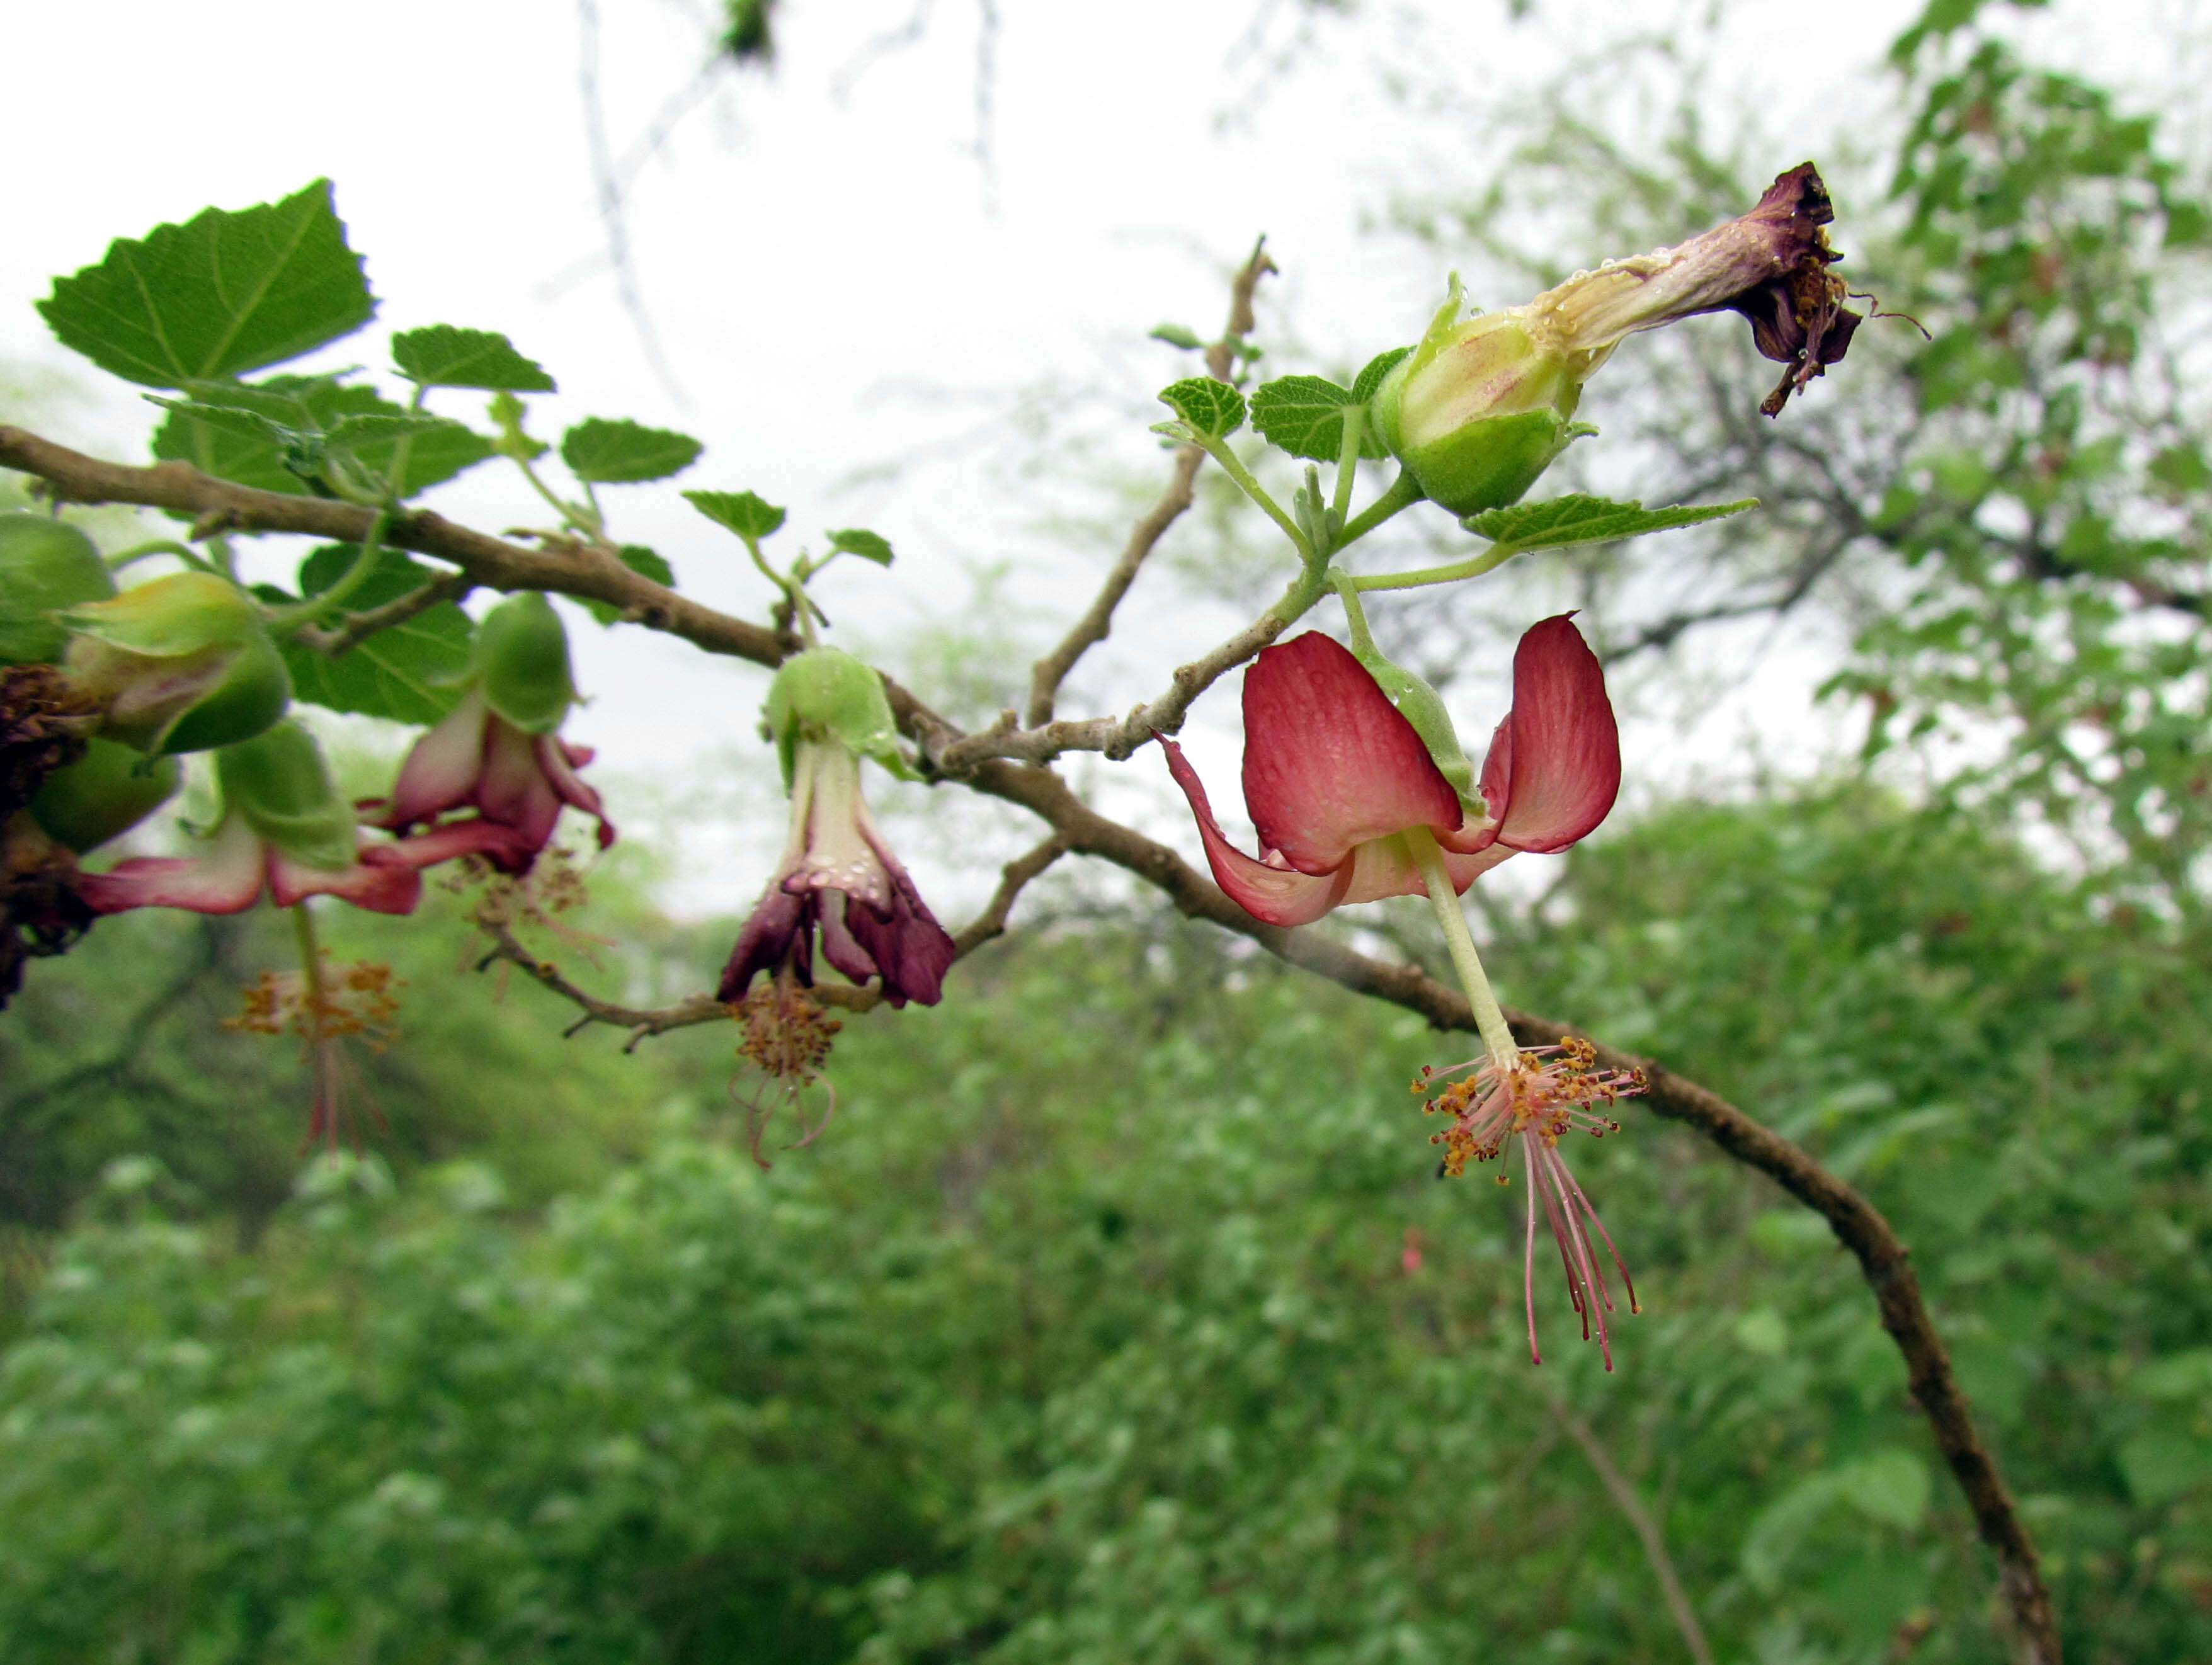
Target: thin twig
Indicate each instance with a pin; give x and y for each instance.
(356, 627)
(1646, 1529)
(1095, 624)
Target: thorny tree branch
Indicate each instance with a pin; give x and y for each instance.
(991, 767)
(1095, 624)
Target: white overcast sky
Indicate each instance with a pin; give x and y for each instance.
(855, 308)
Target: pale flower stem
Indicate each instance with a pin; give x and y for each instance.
(1489, 1017)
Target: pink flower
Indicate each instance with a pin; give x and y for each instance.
(515, 781)
(237, 864)
(1332, 773)
(839, 878)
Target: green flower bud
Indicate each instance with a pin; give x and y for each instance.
(103, 794)
(1482, 407)
(181, 663)
(522, 658)
(826, 694)
(278, 782)
(46, 566)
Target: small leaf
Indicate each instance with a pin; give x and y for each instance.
(442, 355)
(228, 419)
(223, 293)
(625, 453)
(868, 545)
(1176, 335)
(1368, 381)
(646, 563)
(322, 403)
(1304, 415)
(374, 427)
(1562, 521)
(752, 518)
(1214, 409)
(411, 672)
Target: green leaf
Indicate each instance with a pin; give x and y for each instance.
(442, 355)
(1304, 415)
(1368, 381)
(223, 293)
(646, 563)
(749, 516)
(868, 545)
(411, 672)
(1211, 408)
(1889, 1487)
(625, 453)
(353, 431)
(1562, 521)
(231, 419)
(433, 453)
(1176, 335)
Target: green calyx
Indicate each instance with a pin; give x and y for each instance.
(182, 664)
(1493, 461)
(102, 795)
(825, 694)
(47, 566)
(278, 782)
(522, 659)
(1416, 702)
(1481, 407)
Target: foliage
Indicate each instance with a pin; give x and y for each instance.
(1120, 1318)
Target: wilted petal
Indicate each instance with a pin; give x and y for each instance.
(909, 947)
(775, 931)
(1279, 896)
(1554, 764)
(1329, 763)
(381, 889)
(560, 761)
(226, 878)
(440, 771)
(834, 911)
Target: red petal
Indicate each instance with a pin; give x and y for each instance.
(1276, 895)
(470, 835)
(1554, 764)
(561, 760)
(225, 878)
(1328, 761)
(441, 772)
(512, 788)
(1386, 868)
(381, 889)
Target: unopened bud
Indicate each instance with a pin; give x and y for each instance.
(182, 664)
(46, 566)
(522, 656)
(103, 794)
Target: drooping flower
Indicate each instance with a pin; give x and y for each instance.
(838, 878)
(1546, 1093)
(284, 829)
(498, 752)
(1484, 405)
(1333, 774)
